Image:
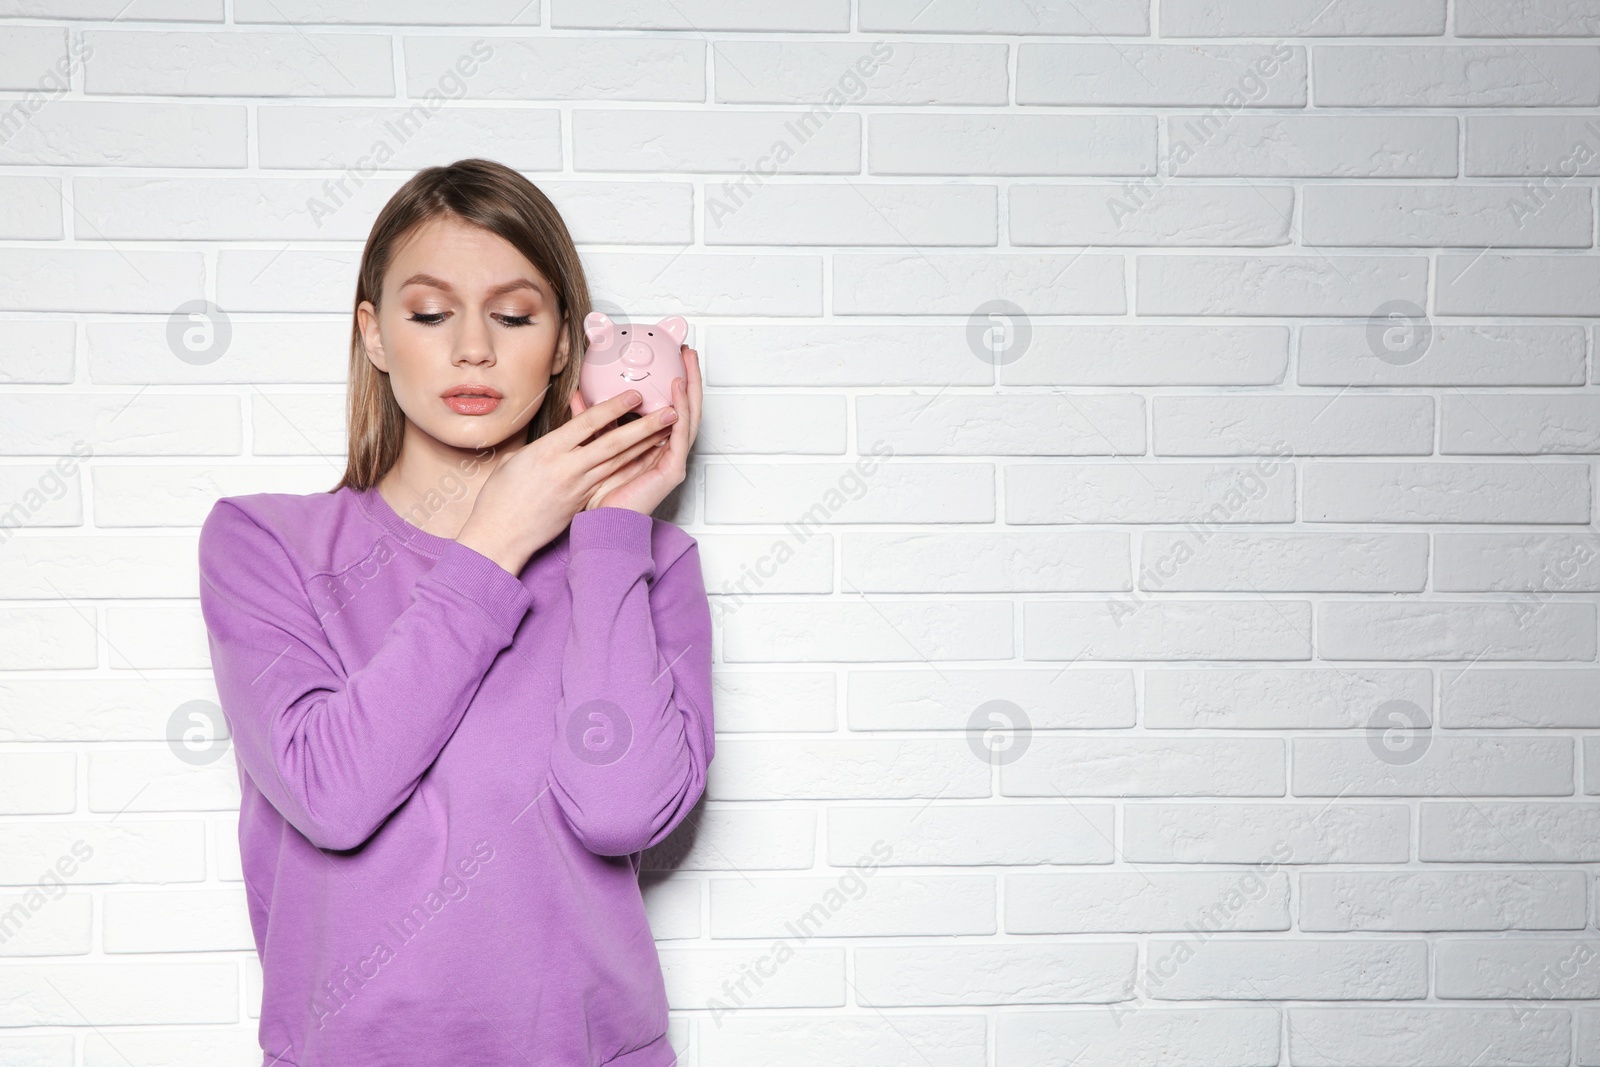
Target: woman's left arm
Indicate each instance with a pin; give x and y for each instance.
(634, 729)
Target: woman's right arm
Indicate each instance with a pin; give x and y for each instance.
(337, 751)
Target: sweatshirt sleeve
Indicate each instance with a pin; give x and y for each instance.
(634, 727)
(337, 750)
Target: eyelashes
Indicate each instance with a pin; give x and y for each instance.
(436, 317)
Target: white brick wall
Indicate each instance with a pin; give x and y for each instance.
(1260, 523)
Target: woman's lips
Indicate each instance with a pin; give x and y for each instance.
(472, 405)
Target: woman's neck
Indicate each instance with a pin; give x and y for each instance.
(435, 488)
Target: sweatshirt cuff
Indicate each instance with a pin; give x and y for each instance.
(621, 528)
(474, 577)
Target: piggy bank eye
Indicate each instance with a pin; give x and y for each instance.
(647, 333)
(624, 333)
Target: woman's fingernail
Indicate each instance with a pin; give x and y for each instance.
(668, 415)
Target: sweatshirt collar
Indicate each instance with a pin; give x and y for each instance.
(378, 510)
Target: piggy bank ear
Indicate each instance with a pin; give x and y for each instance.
(675, 328)
(596, 325)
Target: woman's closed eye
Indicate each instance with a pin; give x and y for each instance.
(434, 318)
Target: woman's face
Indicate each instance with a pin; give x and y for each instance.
(463, 308)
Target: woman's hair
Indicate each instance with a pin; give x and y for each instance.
(498, 199)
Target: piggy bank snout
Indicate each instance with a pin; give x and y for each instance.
(637, 354)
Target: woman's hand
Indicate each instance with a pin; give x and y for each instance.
(644, 482)
(533, 492)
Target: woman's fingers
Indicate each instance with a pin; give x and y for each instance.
(604, 469)
(627, 434)
(590, 419)
(627, 472)
(692, 383)
(678, 450)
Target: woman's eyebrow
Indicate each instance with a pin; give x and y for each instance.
(497, 290)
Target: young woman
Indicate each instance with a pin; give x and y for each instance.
(470, 684)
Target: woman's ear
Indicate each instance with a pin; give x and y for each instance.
(563, 348)
(371, 339)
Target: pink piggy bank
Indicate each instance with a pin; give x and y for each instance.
(632, 356)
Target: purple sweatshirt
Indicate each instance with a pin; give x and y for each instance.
(447, 776)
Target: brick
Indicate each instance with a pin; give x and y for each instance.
(555, 68)
(793, 142)
(1280, 833)
(1217, 560)
(156, 62)
(1441, 900)
(882, 72)
(1150, 492)
(1150, 900)
(951, 698)
(1089, 17)
(1053, 145)
(985, 563)
(1447, 492)
(1095, 425)
(1447, 355)
(1520, 424)
(1298, 698)
(1306, 425)
(1467, 76)
(1155, 213)
(1276, 285)
(972, 835)
(1313, 146)
(1511, 698)
(1460, 630)
(1446, 216)
(1153, 75)
(1302, 18)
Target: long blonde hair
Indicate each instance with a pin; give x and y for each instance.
(498, 199)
